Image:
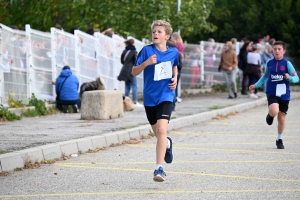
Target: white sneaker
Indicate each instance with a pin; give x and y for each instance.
(179, 100)
(253, 96)
(138, 105)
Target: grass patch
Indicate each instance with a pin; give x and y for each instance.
(2, 152)
(4, 173)
(216, 107)
(128, 127)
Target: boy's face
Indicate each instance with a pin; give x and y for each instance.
(278, 52)
(159, 35)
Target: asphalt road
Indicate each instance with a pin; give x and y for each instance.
(233, 157)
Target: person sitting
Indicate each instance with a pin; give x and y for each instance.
(66, 87)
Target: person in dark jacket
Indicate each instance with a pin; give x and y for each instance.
(242, 64)
(128, 59)
(66, 87)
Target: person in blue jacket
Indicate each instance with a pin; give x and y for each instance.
(66, 87)
(159, 63)
(279, 72)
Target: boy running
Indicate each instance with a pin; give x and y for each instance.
(159, 63)
(279, 73)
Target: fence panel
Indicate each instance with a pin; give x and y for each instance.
(106, 61)
(14, 77)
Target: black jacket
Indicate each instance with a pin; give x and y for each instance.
(242, 59)
(128, 59)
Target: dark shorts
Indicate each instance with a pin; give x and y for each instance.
(161, 111)
(283, 105)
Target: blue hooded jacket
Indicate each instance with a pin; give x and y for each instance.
(69, 90)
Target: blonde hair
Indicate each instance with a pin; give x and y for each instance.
(233, 40)
(177, 38)
(267, 47)
(164, 24)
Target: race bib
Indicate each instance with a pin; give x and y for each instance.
(280, 89)
(163, 71)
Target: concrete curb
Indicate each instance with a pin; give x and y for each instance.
(11, 161)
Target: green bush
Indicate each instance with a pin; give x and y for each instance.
(31, 113)
(5, 114)
(219, 87)
(40, 105)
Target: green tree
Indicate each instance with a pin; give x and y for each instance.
(127, 17)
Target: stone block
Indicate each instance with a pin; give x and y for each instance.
(11, 161)
(102, 104)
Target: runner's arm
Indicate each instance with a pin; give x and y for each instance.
(294, 78)
(263, 78)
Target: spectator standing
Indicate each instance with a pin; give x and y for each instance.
(228, 64)
(211, 52)
(265, 57)
(253, 69)
(176, 38)
(128, 59)
(195, 71)
(264, 41)
(66, 87)
(242, 64)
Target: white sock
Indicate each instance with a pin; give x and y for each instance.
(279, 136)
(157, 166)
(169, 144)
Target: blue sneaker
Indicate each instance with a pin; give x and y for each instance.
(169, 154)
(159, 175)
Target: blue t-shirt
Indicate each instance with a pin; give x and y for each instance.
(156, 92)
(274, 72)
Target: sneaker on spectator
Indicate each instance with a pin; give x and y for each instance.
(253, 96)
(138, 105)
(179, 100)
(159, 175)
(279, 144)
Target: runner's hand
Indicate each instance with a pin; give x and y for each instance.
(173, 84)
(252, 87)
(151, 60)
(286, 76)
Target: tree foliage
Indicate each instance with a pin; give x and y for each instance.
(126, 17)
(197, 19)
(254, 18)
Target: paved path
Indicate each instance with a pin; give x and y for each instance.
(233, 157)
(33, 132)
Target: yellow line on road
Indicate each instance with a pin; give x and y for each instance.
(185, 162)
(247, 134)
(148, 192)
(181, 173)
(224, 150)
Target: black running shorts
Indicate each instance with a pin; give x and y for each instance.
(283, 105)
(161, 111)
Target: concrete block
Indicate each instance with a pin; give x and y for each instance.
(102, 104)
(51, 151)
(171, 124)
(20, 111)
(32, 154)
(145, 130)
(123, 135)
(85, 144)
(68, 147)
(11, 161)
(111, 138)
(134, 133)
(99, 141)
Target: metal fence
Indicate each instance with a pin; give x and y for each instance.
(31, 59)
